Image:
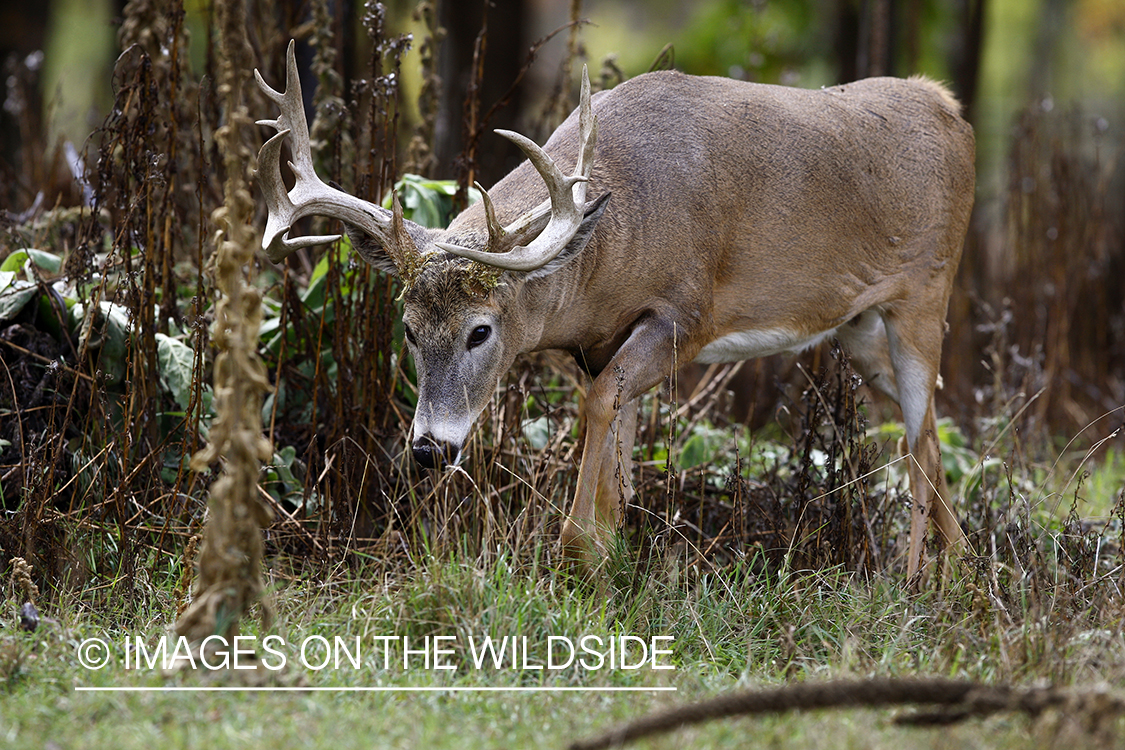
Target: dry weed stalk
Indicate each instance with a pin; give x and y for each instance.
(21, 577)
(420, 155)
(229, 578)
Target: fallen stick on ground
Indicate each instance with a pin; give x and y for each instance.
(960, 699)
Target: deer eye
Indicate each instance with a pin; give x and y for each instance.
(409, 334)
(478, 336)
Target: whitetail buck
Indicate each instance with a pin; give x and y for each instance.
(728, 220)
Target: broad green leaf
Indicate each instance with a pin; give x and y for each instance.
(428, 202)
(14, 262)
(700, 448)
(177, 364)
(15, 297)
(313, 296)
(110, 328)
(537, 432)
(320, 270)
(45, 260)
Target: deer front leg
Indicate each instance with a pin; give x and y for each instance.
(604, 478)
(596, 514)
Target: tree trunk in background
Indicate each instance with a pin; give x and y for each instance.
(1051, 25)
(965, 58)
(503, 50)
(845, 41)
(866, 37)
(23, 29)
(875, 55)
(881, 37)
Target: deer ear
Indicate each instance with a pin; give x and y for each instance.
(371, 250)
(581, 238)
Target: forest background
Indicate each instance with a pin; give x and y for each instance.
(109, 174)
(1039, 308)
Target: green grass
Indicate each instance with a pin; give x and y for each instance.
(733, 629)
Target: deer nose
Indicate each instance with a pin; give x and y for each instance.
(432, 454)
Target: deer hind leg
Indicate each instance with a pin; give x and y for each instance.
(899, 355)
(914, 344)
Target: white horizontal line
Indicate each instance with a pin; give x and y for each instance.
(288, 689)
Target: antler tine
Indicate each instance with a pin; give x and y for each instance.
(496, 233)
(292, 117)
(310, 196)
(588, 135)
(283, 212)
(567, 200)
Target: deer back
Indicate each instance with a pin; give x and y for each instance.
(724, 190)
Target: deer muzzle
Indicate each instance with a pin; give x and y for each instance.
(432, 453)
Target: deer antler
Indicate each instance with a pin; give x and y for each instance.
(566, 205)
(310, 195)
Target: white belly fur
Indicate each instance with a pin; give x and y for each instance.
(740, 345)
